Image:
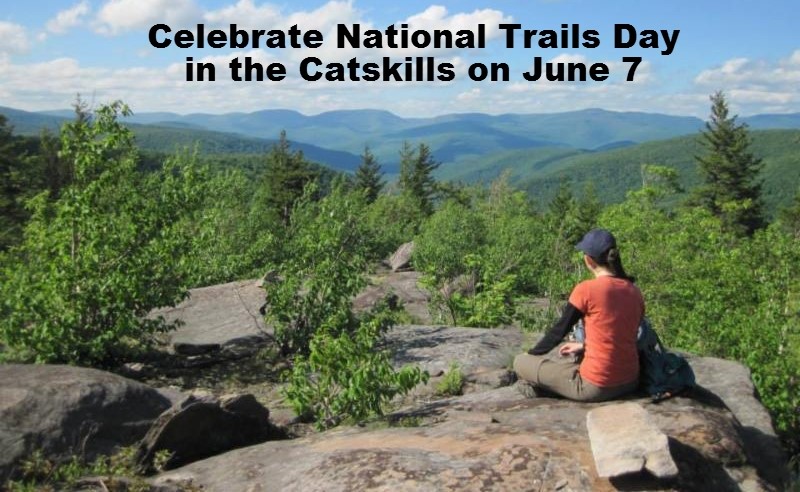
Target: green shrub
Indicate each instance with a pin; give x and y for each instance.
(93, 263)
(452, 383)
(117, 472)
(347, 376)
(322, 268)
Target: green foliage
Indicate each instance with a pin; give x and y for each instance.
(368, 176)
(347, 376)
(117, 472)
(452, 383)
(392, 220)
(321, 270)
(714, 293)
(286, 175)
(11, 212)
(492, 304)
(451, 234)
(232, 236)
(615, 172)
(416, 175)
(97, 260)
(495, 244)
(790, 217)
(732, 190)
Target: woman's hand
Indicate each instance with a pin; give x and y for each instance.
(570, 348)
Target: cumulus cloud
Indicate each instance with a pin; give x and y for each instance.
(13, 38)
(437, 17)
(245, 12)
(751, 83)
(118, 16)
(67, 19)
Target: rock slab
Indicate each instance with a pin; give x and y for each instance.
(218, 318)
(495, 438)
(625, 440)
(65, 410)
(401, 259)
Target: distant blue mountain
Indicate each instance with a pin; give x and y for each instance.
(454, 138)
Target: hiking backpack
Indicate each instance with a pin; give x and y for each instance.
(662, 373)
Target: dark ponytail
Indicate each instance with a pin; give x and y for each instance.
(612, 260)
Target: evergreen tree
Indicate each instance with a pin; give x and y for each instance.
(368, 176)
(587, 210)
(11, 212)
(416, 175)
(561, 214)
(286, 175)
(790, 216)
(732, 190)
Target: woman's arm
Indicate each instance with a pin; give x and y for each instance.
(553, 337)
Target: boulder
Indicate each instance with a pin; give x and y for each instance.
(64, 410)
(463, 284)
(199, 427)
(401, 259)
(494, 438)
(221, 320)
(484, 356)
(403, 287)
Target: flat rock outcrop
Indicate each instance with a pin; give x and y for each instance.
(221, 318)
(496, 439)
(483, 355)
(65, 410)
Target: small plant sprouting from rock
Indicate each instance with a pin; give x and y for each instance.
(452, 383)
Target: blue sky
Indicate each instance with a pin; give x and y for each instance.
(51, 50)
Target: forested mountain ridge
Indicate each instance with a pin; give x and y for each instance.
(614, 172)
(452, 138)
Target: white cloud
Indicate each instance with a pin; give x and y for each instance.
(13, 38)
(437, 17)
(752, 84)
(118, 16)
(245, 13)
(69, 18)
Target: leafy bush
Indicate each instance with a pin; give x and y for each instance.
(718, 294)
(452, 383)
(322, 268)
(233, 235)
(347, 376)
(94, 262)
(392, 220)
(117, 472)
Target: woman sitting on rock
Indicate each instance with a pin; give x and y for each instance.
(606, 364)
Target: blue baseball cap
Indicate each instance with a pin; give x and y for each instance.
(596, 242)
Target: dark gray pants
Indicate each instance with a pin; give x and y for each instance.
(560, 375)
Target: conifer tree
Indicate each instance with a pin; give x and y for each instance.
(732, 190)
(286, 175)
(11, 212)
(416, 175)
(368, 176)
(790, 216)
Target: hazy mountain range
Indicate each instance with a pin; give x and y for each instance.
(537, 149)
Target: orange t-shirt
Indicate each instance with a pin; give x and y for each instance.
(612, 310)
